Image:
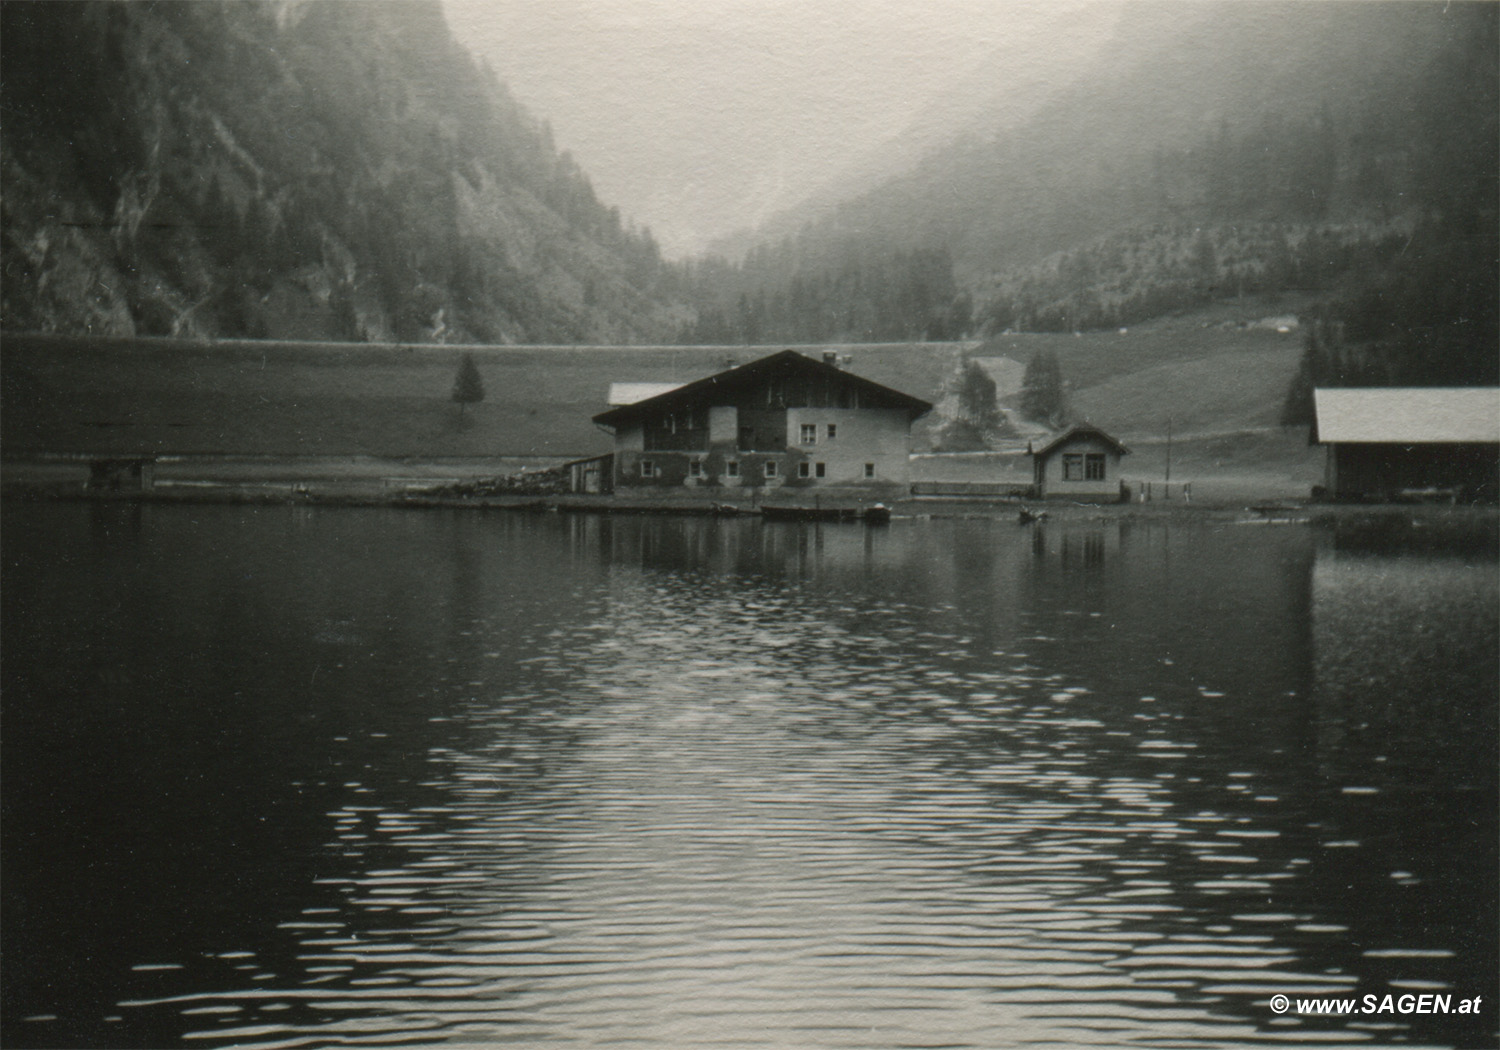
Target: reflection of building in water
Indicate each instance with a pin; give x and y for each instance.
(1076, 548)
(1404, 653)
(1083, 550)
(744, 546)
(1170, 612)
(125, 474)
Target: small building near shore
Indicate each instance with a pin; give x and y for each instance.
(122, 474)
(1399, 443)
(786, 420)
(1082, 463)
(594, 475)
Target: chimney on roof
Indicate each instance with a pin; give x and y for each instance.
(831, 357)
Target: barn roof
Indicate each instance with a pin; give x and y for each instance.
(630, 393)
(732, 380)
(1408, 415)
(1076, 431)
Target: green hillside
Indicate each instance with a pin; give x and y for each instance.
(64, 395)
(1209, 371)
(1220, 368)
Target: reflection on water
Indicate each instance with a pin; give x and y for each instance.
(295, 777)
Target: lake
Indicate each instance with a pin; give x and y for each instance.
(301, 776)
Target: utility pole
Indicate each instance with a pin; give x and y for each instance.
(1169, 448)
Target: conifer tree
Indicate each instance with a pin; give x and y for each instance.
(468, 388)
(977, 418)
(1043, 396)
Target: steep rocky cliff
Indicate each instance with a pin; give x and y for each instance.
(295, 170)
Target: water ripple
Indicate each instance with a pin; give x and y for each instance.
(588, 782)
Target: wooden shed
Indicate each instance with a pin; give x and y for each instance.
(1083, 463)
(594, 475)
(1401, 443)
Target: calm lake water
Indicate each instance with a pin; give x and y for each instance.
(309, 777)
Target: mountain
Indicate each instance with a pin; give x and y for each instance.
(1210, 150)
(1137, 135)
(338, 171)
(1060, 42)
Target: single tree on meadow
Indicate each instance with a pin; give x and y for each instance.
(468, 388)
(977, 419)
(1043, 393)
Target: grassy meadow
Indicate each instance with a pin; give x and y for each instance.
(1218, 375)
(318, 399)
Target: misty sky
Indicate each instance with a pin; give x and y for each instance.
(701, 117)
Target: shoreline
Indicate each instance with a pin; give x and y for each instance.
(1483, 519)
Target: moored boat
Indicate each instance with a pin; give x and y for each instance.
(877, 514)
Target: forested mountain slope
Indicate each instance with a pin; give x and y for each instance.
(300, 170)
(1198, 112)
(1216, 150)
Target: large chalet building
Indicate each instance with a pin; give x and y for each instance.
(782, 420)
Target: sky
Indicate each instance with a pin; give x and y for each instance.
(700, 118)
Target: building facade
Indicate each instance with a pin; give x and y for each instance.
(1082, 463)
(786, 420)
(1410, 442)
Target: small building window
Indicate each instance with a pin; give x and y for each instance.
(869, 470)
(804, 469)
(809, 434)
(1093, 466)
(820, 469)
(1072, 466)
(731, 468)
(695, 468)
(833, 431)
(770, 468)
(648, 469)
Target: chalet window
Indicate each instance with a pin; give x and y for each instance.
(804, 469)
(648, 469)
(770, 468)
(1072, 466)
(679, 431)
(695, 468)
(820, 469)
(809, 434)
(1093, 466)
(869, 470)
(731, 468)
(833, 431)
(763, 430)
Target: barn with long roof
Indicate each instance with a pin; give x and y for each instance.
(1410, 442)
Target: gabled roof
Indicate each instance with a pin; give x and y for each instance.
(1408, 415)
(732, 380)
(630, 393)
(1080, 430)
